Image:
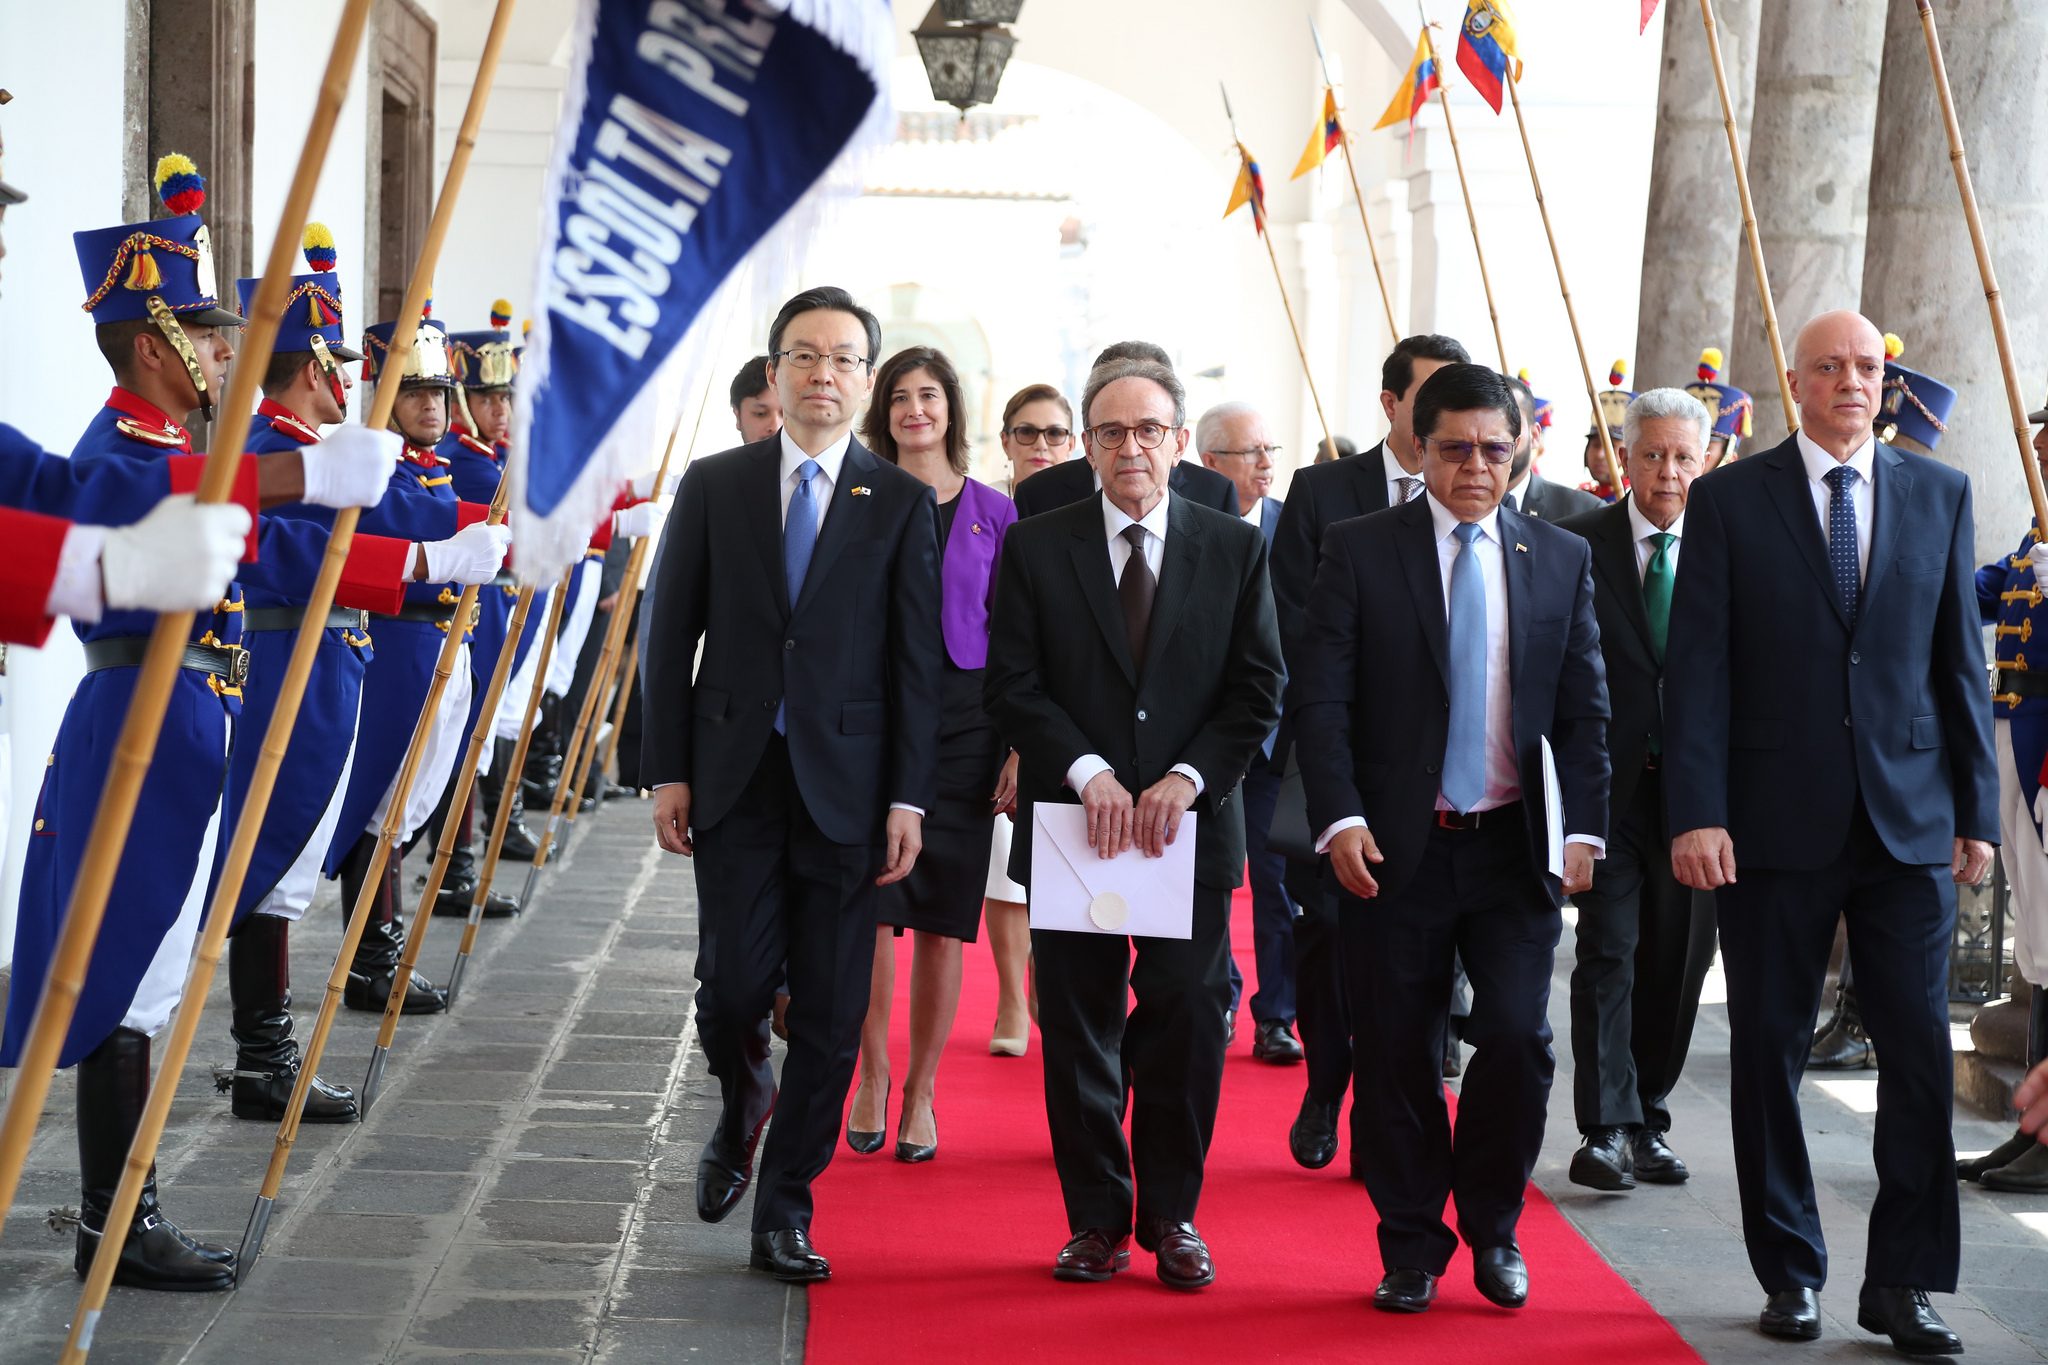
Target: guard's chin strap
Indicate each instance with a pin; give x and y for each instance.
(331, 368)
(174, 332)
(462, 404)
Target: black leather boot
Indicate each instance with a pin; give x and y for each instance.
(113, 1088)
(519, 845)
(544, 755)
(458, 884)
(1845, 1047)
(266, 1054)
(375, 966)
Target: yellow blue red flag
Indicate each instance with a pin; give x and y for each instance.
(1249, 189)
(1327, 138)
(1416, 88)
(1486, 44)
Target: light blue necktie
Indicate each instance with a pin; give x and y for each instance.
(1464, 781)
(799, 538)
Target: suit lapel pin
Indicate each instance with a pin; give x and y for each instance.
(976, 528)
(1520, 548)
(859, 490)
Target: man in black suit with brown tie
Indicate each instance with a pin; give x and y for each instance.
(1451, 663)
(1134, 666)
(796, 760)
(1644, 940)
(1320, 496)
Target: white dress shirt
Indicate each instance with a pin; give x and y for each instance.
(1114, 523)
(1396, 476)
(1257, 516)
(1862, 492)
(1642, 528)
(1503, 774)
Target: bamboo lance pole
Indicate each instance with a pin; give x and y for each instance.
(1992, 298)
(1749, 228)
(1351, 167)
(387, 396)
(159, 672)
(1443, 98)
(1614, 470)
(444, 851)
(502, 817)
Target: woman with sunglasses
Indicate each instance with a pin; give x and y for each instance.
(914, 422)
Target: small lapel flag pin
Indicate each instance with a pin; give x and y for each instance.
(1520, 548)
(859, 490)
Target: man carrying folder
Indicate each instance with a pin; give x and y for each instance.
(1134, 664)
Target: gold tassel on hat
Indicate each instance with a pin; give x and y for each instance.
(143, 273)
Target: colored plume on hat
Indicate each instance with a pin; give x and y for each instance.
(525, 327)
(318, 244)
(1617, 373)
(1893, 347)
(501, 313)
(179, 183)
(1710, 364)
(1523, 374)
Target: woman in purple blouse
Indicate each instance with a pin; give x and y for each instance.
(914, 422)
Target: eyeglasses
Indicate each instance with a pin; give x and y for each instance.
(1252, 454)
(843, 361)
(1030, 436)
(1148, 435)
(1458, 452)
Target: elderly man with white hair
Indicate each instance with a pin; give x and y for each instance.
(1644, 939)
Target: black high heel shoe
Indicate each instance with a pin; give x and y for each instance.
(868, 1143)
(911, 1153)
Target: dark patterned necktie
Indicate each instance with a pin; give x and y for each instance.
(1842, 539)
(1136, 590)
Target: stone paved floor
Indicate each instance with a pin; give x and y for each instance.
(524, 1188)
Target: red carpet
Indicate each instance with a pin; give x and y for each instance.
(951, 1261)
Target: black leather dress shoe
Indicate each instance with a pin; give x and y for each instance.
(1093, 1255)
(1498, 1273)
(725, 1170)
(789, 1256)
(2026, 1173)
(1908, 1319)
(1274, 1042)
(1605, 1161)
(1653, 1160)
(1313, 1138)
(1791, 1315)
(1184, 1261)
(2005, 1153)
(1405, 1291)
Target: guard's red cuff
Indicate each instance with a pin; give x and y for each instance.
(601, 538)
(185, 472)
(470, 513)
(374, 574)
(27, 571)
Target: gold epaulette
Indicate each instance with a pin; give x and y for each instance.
(426, 482)
(165, 436)
(474, 444)
(294, 428)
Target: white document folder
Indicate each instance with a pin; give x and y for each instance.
(1553, 810)
(1074, 889)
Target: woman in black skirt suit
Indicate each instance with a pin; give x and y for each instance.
(914, 422)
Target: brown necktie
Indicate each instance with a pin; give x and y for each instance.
(1135, 591)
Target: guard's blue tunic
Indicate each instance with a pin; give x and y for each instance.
(161, 858)
(36, 481)
(396, 681)
(2008, 596)
(326, 724)
(475, 468)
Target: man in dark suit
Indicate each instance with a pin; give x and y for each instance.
(1451, 654)
(1529, 492)
(798, 761)
(1072, 481)
(1134, 666)
(1644, 940)
(1233, 440)
(1828, 730)
(1323, 494)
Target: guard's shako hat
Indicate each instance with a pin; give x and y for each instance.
(426, 366)
(312, 310)
(1914, 408)
(487, 361)
(1730, 407)
(1613, 402)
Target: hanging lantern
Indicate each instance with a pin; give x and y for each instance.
(980, 11)
(964, 61)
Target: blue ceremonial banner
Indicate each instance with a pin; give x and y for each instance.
(695, 135)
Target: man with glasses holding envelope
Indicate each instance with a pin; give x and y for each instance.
(1134, 664)
(1451, 707)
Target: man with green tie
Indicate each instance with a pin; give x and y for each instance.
(1644, 940)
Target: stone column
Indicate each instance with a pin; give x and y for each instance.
(1695, 216)
(1809, 177)
(1919, 273)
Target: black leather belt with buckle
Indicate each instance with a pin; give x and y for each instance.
(1450, 819)
(227, 662)
(291, 618)
(2021, 682)
(428, 613)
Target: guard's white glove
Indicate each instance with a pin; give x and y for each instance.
(178, 558)
(470, 557)
(352, 467)
(641, 519)
(2038, 557)
(643, 484)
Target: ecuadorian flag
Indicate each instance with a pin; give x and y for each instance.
(1249, 189)
(1416, 88)
(1327, 138)
(1486, 44)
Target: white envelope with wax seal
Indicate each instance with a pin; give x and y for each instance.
(1072, 888)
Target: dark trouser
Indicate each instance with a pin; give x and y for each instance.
(1474, 896)
(629, 727)
(1172, 1044)
(772, 888)
(1645, 941)
(1272, 909)
(1323, 1010)
(1776, 932)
